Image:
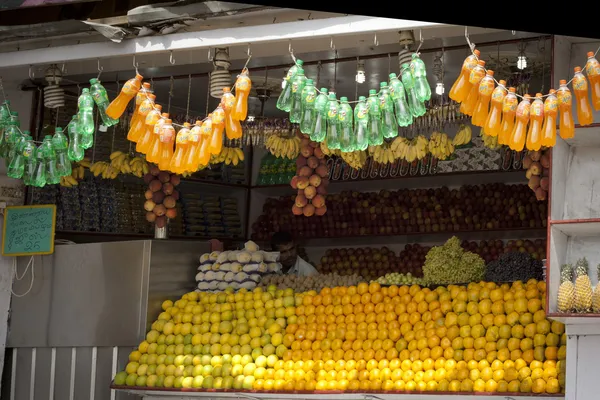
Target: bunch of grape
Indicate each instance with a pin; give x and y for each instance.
(161, 196)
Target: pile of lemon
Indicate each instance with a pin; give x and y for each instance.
(480, 338)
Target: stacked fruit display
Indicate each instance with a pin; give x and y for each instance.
(514, 266)
(468, 208)
(235, 269)
(491, 250)
(579, 297)
(537, 164)
(397, 278)
(161, 196)
(480, 338)
(313, 282)
(311, 180)
(451, 264)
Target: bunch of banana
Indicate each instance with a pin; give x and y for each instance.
(104, 169)
(228, 155)
(68, 181)
(410, 149)
(463, 136)
(137, 166)
(491, 142)
(282, 147)
(355, 159)
(327, 151)
(440, 146)
(382, 154)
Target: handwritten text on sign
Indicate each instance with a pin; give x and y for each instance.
(29, 230)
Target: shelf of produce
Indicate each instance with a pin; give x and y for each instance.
(402, 182)
(422, 237)
(215, 183)
(330, 395)
(83, 236)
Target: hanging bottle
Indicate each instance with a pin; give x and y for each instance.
(206, 134)
(29, 153)
(375, 131)
(75, 152)
(419, 73)
(85, 122)
(566, 126)
(284, 102)
(154, 147)
(319, 127)
(243, 84)
(166, 138)
(402, 111)
(333, 123)
(493, 121)
(233, 128)
(4, 123)
(485, 90)
(308, 97)
(39, 175)
(461, 87)
(536, 120)
(17, 165)
(361, 124)
(549, 127)
(119, 104)
(61, 145)
(346, 136)
(592, 69)
(297, 87)
(177, 164)
(468, 106)
(193, 146)
(417, 108)
(143, 144)
(388, 119)
(52, 176)
(580, 87)
(138, 126)
(100, 97)
(519, 132)
(11, 135)
(509, 110)
(139, 98)
(218, 124)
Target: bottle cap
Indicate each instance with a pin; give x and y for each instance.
(300, 71)
(166, 115)
(527, 96)
(362, 98)
(383, 84)
(14, 113)
(85, 90)
(324, 90)
(502, 82)
(187, 124)
(344, 99)
(309, 82)
(146, 85)
(138, 77)
(93, 81)
(198, 122)
(481, 63)
(405, 65)
(392, 75)
(58, 129)
(48, 137)
(476, 52)
(168, 121)
(331, 96)
(151, 96)
(552, 91)
(538, 95)
(577, 69)
(563, 81)
(27, 133)
(372, 92)
(590, 54)
(158, 106)
(299, 62)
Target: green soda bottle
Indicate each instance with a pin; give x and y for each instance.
(347, 138)
(86, 119)
(52, 176)
(319, 127)
(414, 104)
(309, 95)
(75, 151)
(375, 130)
(361, 124)
(297, 87)
(333, 123)
(4, 122)
(61, 145)
(419, 73)
(11, 136)
(388, 119)
(29, 153)
(403, 115)
(100, 97)
(17, 164)
(284, 102)
(39, 175)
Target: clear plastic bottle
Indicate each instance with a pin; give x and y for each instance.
(580, 88)
(566, 126)
(509, 110)
(61, 145)
(308, 97)
(297, 86)
(361, 124)
(468, 106)
(284, 102)
(375, 130)
(166, 138)
(319, 127)
(52, 176)
(85, 122)
(119, 104)
(39, 175)
(417, 108)
(419, 73)
(403, 114)
(461, 87)
(517, 137)
(492, 122)
(75, 152)
(482, 107)
(243, 84)
(100, 97)
(592, 69)
(536, 120)
(17, 165)
(347, 138)
(550, 113)
(29, 153)
(333, 123)
(389, 125)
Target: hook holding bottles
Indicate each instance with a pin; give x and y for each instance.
(31, 72)
(100, 69)
(249, 51)
(171, 58)
(331, 44)
(471, 45)
(210, 58)
(135, 64)
(375, 40)
(291, 51)
(421, 40)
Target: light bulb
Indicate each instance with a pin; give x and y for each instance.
(250, 118)
(522, 62)
(439, 88)
(360, 77)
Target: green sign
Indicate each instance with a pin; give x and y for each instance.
(28, 230)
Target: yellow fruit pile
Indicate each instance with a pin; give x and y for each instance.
(480, 338)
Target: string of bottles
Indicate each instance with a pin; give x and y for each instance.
(374, 119)
(192, 147)
(47, 163)
(526, 123)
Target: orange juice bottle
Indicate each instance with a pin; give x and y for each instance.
(461, 87)
(166, 139)
(154, 148)
(517, 137)
(492, 122)
(486, 88)
(468, 106)
(233, 128)
(138, 127)
(139, 98)
(566, 126)
(206, 133)
(243, 84)
(117, 107)
(218, 124)
(549, 128)
(509, 109)
(181, 145)
(592, 69)
(152, 118)
(194, 140)
(580, 87)
(536, 119)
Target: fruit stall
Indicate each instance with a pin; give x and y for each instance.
(451, 224)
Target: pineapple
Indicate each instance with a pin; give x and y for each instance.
(583, 287)
(596, 297)
(566, 291)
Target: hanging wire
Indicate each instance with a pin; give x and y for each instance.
(187, 109)
(421, 40)
(207, 96)
(171, 84)
(136, 65)
(100, 69)
(319, 66)
(291, 51)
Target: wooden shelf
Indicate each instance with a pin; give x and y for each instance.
(209, 182)
(115, 236)
(575, 318)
